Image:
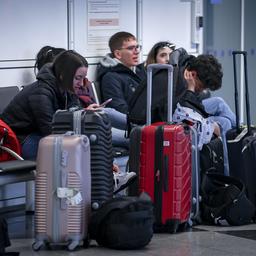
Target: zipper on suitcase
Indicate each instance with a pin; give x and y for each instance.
(56, 183)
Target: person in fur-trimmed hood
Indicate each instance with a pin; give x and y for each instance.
(116, 71)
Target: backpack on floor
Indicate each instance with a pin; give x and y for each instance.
(224, 200)
(123, 223)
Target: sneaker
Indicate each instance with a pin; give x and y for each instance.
(123, 180)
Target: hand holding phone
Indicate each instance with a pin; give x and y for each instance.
(102, 105)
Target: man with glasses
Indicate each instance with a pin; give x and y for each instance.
(116, 71)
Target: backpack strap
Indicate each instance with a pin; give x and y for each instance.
(219, 179)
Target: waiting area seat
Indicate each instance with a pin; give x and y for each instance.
(18, 170)
(14, 171)
(6, 95)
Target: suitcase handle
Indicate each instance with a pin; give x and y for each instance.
(150, 68)
(247, 103)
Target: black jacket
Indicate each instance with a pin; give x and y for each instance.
(32, 109)
(192, 100)
(117, 82)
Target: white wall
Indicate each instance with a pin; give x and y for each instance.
(31, 24)
(26, 26)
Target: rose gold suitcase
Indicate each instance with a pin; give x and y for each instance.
(63, 191)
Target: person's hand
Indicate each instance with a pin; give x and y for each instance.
(216, 130)
(93, 106)
(191, 80)
(115, 168)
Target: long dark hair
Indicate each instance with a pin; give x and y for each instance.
(65, 66)
(155, 49)
(46, 55)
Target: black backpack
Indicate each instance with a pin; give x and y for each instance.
(137, 104)
(212, 157)
(123, 223)
(224, 201)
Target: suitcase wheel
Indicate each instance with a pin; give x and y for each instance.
(72, 245)
(36, 246)
(183, 227)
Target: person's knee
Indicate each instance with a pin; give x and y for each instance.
(225, 124)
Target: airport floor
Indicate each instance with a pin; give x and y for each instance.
(200, 240)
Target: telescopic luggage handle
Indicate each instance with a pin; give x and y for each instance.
(248, 115)
(150, 69)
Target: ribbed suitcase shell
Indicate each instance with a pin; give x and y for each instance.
(96, 125)
(165, 173)
(63, 161)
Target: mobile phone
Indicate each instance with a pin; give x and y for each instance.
(102, 105)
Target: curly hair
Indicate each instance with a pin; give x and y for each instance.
(208, 69)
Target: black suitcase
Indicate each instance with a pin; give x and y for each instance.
(240, 141)
(97, 127)
(249, 160)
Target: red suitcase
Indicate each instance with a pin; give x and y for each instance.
(165, 170)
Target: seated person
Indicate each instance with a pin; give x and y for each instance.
(86, 96)
(31, 111)
(116, 71)
(204, 72)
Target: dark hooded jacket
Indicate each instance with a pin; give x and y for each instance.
(192, 100)
(32, 109)
(117, 82)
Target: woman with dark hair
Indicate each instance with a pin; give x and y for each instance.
(159, 53)
(30, 113)
(47, 54)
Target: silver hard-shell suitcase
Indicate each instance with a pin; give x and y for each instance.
(63, 191)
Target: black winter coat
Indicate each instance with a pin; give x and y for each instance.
(117, 82)
(32, 109)
(192, 100)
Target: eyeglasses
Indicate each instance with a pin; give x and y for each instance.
(132, 48)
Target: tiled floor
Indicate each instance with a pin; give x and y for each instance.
(201, 240)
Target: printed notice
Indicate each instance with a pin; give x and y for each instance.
(103, 22)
